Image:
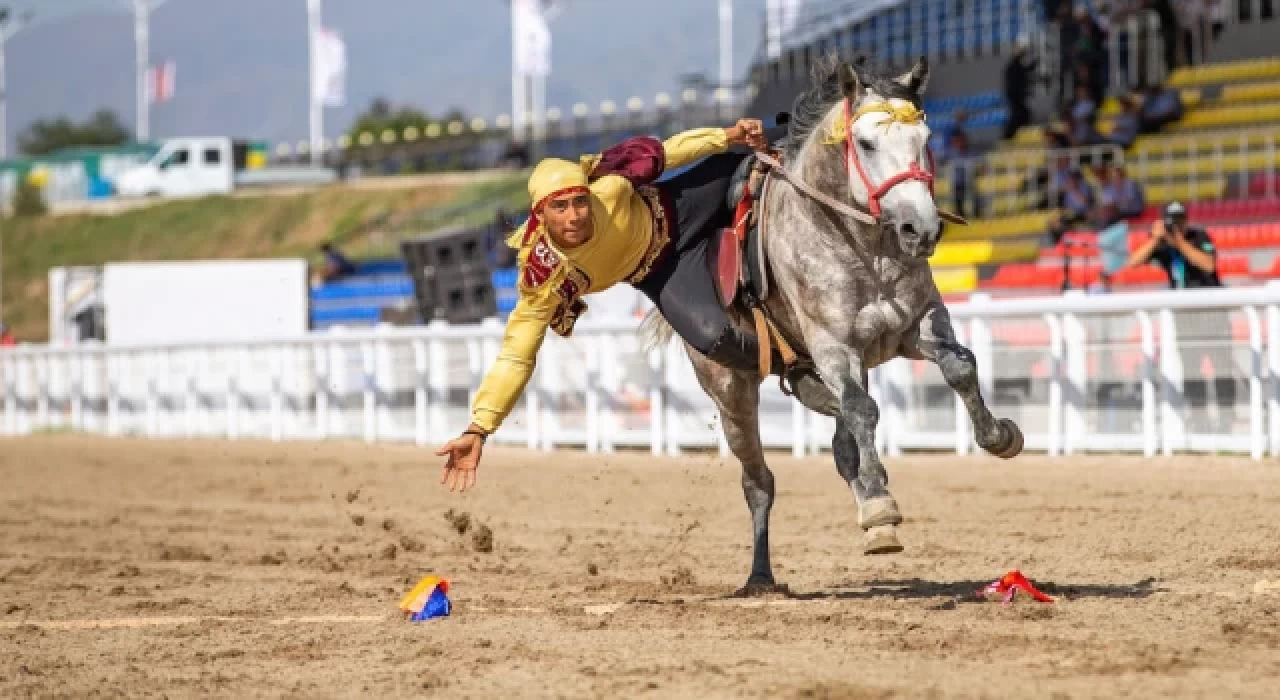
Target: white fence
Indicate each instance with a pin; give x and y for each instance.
(1154, 372)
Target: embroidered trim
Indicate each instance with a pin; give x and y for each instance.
(539, 265)
(663, 223)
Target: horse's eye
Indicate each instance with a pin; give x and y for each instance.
(866, 145)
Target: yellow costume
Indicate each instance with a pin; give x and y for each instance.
(631, 225)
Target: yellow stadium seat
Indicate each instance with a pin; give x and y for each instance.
(1159, 146)
(1029, 136)
(1250, 92)
(1232, 115)
(956, 280)
(983, 252)
(1233, 72)
(1186, 191)
(1230, 163)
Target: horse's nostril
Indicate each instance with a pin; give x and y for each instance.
(907, 229)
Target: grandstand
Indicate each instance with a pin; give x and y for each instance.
(1220, 157)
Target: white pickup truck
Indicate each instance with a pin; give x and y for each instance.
(186, 167)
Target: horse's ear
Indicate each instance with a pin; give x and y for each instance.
(917, 78)
(850, 83)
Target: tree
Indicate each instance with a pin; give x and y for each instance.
(48, 135)
(382, 115)
(28, 200)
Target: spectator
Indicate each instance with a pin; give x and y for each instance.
(1161, 106)
(1168, 31)
(1018, 75)
(1124, 194)
(1193, 17)
(6, 337)
(1077, 205)
(1050, 180)
(1068, 37)
(1083, 113)
(1127, 124)
(963, 174)
(1190, 261)
(336, 265)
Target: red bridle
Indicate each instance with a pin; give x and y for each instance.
(913, 171)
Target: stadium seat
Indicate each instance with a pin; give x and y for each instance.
(1232, 72)
(956, 280)
(982, 252)
(1033, 223)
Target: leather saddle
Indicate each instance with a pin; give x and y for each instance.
(737, 255)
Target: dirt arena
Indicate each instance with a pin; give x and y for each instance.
(250, 569)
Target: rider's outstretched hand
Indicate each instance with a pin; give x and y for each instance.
(464, 458)
(749, 132)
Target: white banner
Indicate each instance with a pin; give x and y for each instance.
(532, 43)
(330, 69)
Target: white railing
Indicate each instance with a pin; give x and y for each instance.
(1153, 372)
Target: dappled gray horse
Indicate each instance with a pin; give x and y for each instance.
(848, 294)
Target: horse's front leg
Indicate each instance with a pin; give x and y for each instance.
(842, 368)
(936, 342)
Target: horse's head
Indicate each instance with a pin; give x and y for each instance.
(886, 152)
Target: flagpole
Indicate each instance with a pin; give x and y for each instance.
(519, 98)
(317, 109)
(726, 47)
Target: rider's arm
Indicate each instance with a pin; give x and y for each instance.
(505, 381)
(688, 146)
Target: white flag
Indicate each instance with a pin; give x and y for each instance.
(330, 69)
(161, 81)
(532, 43)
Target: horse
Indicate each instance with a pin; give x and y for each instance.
(848, 295)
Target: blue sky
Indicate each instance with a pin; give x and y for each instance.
(242, 63)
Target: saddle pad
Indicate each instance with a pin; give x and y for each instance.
(726, 265)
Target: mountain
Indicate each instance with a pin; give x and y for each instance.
(242, 64)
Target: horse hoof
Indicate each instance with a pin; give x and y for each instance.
(882, 540)
(756, 590)
(875, 512)
(1012, 446)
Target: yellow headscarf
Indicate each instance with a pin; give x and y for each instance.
(552, 177)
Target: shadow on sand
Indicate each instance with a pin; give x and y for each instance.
(953, 591)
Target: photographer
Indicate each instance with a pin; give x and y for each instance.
(1185, 252)
(1204, 336)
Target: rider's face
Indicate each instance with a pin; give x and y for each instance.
(568, 219)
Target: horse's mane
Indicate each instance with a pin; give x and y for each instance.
(812, 105)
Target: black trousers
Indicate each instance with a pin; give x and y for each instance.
(681, 283)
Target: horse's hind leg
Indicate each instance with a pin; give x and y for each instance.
(854, 445)
(936, 342)
(737, 395)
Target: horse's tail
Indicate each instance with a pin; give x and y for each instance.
(655, 332)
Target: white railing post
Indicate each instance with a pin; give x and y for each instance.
(1076, 385)
(421, 393)
(42, 392)
(592, 348)
(75, 375)
(151, 370)
(964, 433)
(1171, 393)
(1273, 373)
(438, 371)
(608, 420)
(369, 391)
(195, 362)
(320, 353)
(10, 410)
(876, 378)
(657, 400)
(1150, 436)
(112, 363)
(671, 417)
(798, 435)
(982, 345)
(1257, 439)
(1057, 366)
(277, 393)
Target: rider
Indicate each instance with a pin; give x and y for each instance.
(603, 221)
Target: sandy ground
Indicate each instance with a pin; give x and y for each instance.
(250, 569)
